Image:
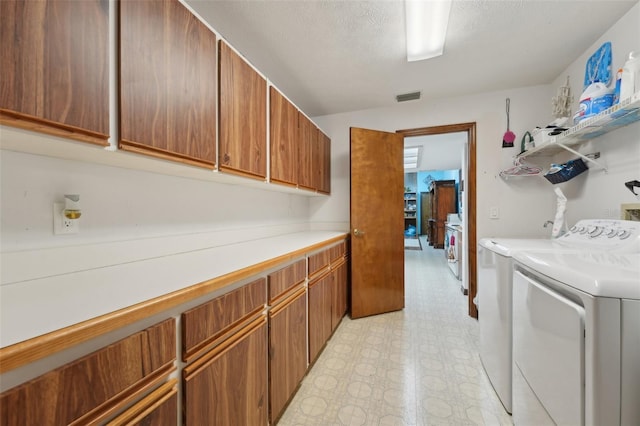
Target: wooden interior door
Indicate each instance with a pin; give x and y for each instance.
(377, 222)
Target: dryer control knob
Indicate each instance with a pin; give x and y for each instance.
(623, 234)
(596, 232)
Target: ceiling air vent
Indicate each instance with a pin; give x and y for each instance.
(408, 97)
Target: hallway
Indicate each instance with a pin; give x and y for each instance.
(419, 366)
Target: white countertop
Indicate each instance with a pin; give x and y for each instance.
(33, 307)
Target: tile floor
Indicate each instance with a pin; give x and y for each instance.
(418, 366)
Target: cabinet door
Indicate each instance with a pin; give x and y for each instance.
(323, 163)
(339, 294)
(306, 141)
(229, 387)
(54, 67)
(243, 116)
(86, 391)
(319, 314)
(167, 82)
(287, 352)
(284, 139)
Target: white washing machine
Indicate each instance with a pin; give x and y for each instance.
(576, 329)
(495, 284)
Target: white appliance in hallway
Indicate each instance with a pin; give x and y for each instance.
(576, 328)
(495, 284)
(453, 244)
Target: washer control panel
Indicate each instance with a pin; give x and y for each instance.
(623, 235)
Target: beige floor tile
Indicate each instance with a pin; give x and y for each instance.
(416, 367)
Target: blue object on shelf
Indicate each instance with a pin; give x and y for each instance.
(564, 172)
(598, 68)
(410, 231)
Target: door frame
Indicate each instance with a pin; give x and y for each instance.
(470, 129)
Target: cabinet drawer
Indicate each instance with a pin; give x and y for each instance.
(338, 251)
(96, 386)
(284, 279)
(204, 324)
(319, 261)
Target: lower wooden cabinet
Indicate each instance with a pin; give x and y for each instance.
(320, 296)
(339, 293)
(159, 408)
(228, 385)
(287, 351)
(97, 386)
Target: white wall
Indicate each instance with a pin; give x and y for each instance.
(524, 203)
(121, 204)
(529, 107)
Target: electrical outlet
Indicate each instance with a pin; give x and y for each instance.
(61, 224)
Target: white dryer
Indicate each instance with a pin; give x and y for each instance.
(576, 328)
(495, 284)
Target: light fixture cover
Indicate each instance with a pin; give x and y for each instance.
(426, 24)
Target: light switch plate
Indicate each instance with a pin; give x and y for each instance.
(494, 213)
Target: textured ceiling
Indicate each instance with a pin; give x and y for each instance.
(345, 55)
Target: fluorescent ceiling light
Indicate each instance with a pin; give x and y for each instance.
(426, 23)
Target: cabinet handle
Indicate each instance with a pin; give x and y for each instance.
(358, 233)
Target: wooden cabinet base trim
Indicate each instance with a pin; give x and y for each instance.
(319, 274)
(99, 414)
(338, 263)
(165, 155)
(284, 301)
(146, 405)
(220, 337)
(27, 351)
(53, 128)
(284, 183)
(241, 173)
(202, 362)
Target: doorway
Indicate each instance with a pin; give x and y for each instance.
(469, 189)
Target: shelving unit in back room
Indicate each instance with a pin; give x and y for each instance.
(410, 210)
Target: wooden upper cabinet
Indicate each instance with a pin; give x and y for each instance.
(314, 152)
(54, 67)
(306, 141)
(167, 82)
(322, 161)
(283, 139)
(243, 116)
